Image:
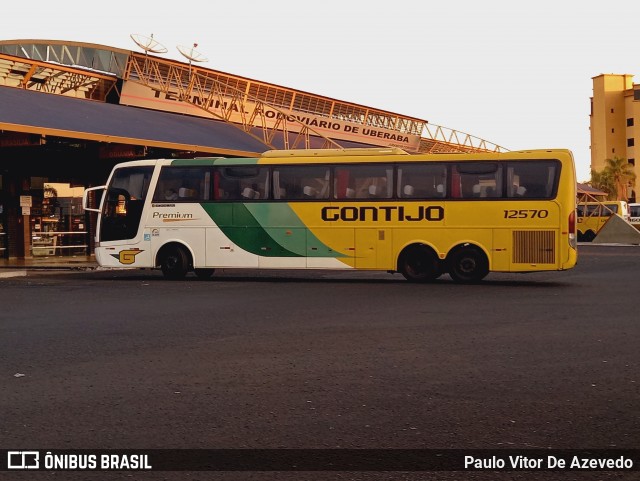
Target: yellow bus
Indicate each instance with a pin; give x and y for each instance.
(592, 216)
(378, 209)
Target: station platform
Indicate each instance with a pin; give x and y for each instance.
(15, 267)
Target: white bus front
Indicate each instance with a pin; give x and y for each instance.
(119, 240)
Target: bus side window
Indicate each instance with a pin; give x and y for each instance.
(363, 182)
(183, 184)
(167, 186)
(609, 209)
(218, 191)
(188, 192)
(341, 188)
(536, 191)
(228, 188)
(301, 182)
(476, 178)
(244, 183)
(422, 181)
(532, 179)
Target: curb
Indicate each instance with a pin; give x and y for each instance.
(50, 267)
(7, 274)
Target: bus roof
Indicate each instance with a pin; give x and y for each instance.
(373, 155)
(334, 152)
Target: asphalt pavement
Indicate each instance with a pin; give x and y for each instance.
(112, 359)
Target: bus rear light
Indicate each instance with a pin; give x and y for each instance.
(573, 240)
(572, 222)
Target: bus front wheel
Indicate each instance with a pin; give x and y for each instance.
(468, 265)
(418, 263)
(174, 262)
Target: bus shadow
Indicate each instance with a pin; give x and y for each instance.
(437, 282)
(328, 278)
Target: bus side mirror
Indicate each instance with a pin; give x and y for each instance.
(91, 196)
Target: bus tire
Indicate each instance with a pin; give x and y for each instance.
(174, 262)
(418, 263)
(589, 236)
(468, 265)
(204, 273)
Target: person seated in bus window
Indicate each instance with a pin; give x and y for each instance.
(170, 194)
(518, 190)
(375, 191)
(375, 188)
(309, 192)
(187, 193)
(249, 193)
(408, 191)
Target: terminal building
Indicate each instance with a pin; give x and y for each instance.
(70, 111)
(615, 123)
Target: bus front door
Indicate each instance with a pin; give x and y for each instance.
(123, 204)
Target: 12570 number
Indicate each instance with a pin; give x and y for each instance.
(526, 214)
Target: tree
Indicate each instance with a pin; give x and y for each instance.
(602, 181)
(615, 178)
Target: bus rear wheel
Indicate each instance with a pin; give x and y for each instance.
(419, 263)
(174, 262)
(468, 265)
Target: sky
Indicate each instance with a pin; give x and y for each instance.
(516, 74)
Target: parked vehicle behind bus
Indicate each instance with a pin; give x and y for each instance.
(634, 215)
(592, 216)
(377, 209)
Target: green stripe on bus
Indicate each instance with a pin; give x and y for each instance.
(244, 225)
(291, 233)
(242, 228)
